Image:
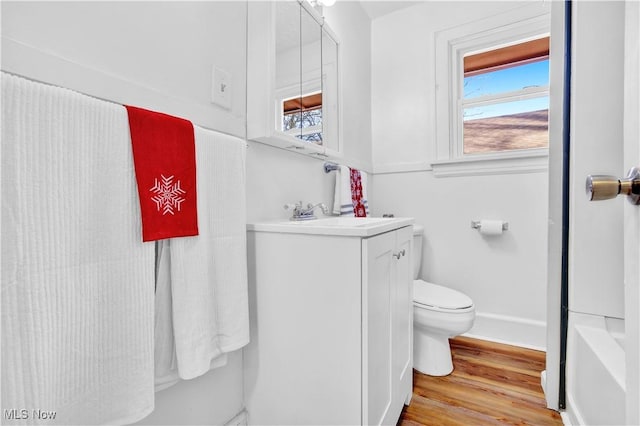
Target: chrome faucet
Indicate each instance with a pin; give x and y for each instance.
(300, 213)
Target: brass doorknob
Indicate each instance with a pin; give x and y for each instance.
(604, 187)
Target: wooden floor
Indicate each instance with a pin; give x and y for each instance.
(491, 384)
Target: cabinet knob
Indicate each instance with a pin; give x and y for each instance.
(399, 254)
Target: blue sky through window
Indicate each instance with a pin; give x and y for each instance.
(507, 80)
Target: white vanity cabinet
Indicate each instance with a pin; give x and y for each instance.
(331, 323)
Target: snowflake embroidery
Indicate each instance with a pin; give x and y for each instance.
(168, 195)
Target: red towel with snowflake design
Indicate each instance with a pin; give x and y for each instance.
(356, 194)
(164, 158)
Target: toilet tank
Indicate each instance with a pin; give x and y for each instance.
(418, 231)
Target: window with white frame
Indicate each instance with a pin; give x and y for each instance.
(492, 94)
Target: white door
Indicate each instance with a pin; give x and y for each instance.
(631, 212)
(596, 228)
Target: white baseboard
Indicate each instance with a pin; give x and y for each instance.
(510, 330)
(571, 416)
(566, 420)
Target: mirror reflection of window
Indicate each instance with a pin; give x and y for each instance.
(306, 77)
(302, 117)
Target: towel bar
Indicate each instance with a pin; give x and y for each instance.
(329, 167)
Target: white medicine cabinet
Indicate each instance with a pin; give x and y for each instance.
(292, 79)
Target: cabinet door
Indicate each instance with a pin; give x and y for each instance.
(378, 276)
(402, 322)
(387, 325)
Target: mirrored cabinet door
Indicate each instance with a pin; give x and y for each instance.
(330, 92)
(311, 80)
(288, 67)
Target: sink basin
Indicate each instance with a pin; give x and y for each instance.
(336, 225)
(342, 221)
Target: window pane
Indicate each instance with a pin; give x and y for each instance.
(304, 114)
(505, 108)
(295, 120)
(507, 79)
(506, 126)
(312, 137)
(308, 121)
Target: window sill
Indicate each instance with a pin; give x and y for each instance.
(492, 164)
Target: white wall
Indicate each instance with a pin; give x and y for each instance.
(353, 28)
(505, 276)
(158, 56)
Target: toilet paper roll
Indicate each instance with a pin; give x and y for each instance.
(491, 227)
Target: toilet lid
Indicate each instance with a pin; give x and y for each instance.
(430, 294)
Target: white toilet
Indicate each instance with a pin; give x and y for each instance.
(438, 314)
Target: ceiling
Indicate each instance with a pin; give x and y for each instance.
(377, 8)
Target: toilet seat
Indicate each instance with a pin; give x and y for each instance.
(434, 296)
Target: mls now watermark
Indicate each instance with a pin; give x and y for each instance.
(24, 414)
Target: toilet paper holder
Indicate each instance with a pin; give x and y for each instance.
(475, 224)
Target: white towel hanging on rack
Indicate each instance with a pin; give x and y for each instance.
(208, 273)
(77, 284)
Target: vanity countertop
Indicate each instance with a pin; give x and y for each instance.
(337, 225)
